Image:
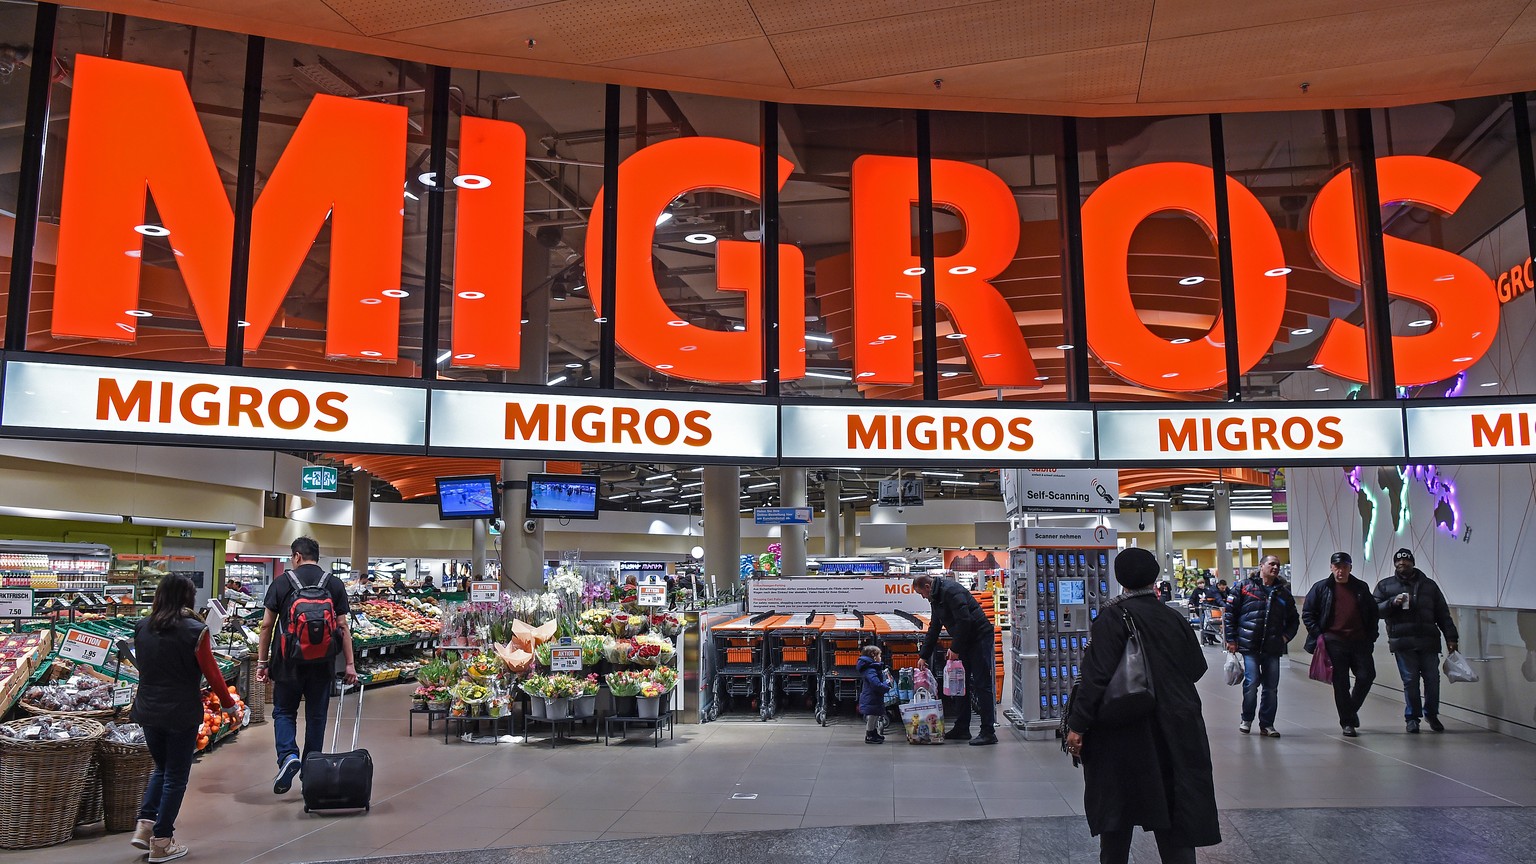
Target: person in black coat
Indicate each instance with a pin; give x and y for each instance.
(1416, 613)
(1261, 619)
(970, 642)
(1340, 613)
(1155, 772)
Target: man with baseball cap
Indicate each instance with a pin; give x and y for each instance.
(1416, 614)
(1341, 618)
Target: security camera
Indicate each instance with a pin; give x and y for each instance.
(530, 526)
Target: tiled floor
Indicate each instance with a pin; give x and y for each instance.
(790, 774)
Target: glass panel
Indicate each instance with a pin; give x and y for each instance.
(1168, 261)
(325, 274)
(143, 309)
(561, 123)
(1284, 160)
(1020, 152)
(816, 215)
(16, 30)
(1460, 339)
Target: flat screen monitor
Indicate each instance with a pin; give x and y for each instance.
(562, 496)
(472, 496)
(1073, 592)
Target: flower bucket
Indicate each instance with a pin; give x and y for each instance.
(557, 707)
(536, 706)
(439, 705)
(584, 706)
(624, 706)
(649, 706)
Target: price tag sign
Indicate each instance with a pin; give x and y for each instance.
(85, 648)
(565, 659)
(15, 602)
(653, 595)
(122, 694)
(119, 593)
(484, 592)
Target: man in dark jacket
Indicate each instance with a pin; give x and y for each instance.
(1416, 613)
(1261, 619)
(970, 642)
(1340, 613)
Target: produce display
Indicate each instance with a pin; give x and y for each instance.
(72, 694)
(47, 727)
(216, 722)
(385, 669)
(124, 733)
(408, 614)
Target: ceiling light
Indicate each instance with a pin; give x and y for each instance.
(700, 239)
(948, 374)
(692, 495)
(1179, 341)
(1170, 374)
(866, 375)
(991, 356)
(688, 348)
(654, 477)
(853, 498)
(663, 219)
(829, 375)
(1446, 278)
(1320, 390)
(126, 328)
(620, 497)
(444, 356)
(962, 270)
(557, 293)
(1191, 280)
(940, 474)
(370, 301)
(1065, 346)
(557, 380)
(1042, 377)
(471, 181)
(694, 485)
(913, 271)
(835, 468)
(1314, 365)
(761, 486)
(471, 295)
(370, 353)
(738, 327)
(1462, 360)
(887, 337)
(954, 335)
(677, 505)
(463, 356)
(395, 292)
(573, 365)
(1422, 322)
(958, 483)
(663, 366)
(599, 320)
(152, 230)
(677, 322)
(1278, 271)
(653, 501)
(817, 337)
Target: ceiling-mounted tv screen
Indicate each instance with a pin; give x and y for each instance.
(472, 496)
(562, 496)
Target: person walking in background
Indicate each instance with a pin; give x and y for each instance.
(296, 680)
(1416, 613)
(1261, 619)
(970, 642)
(1341, 618)
(872, 690)
(1153, 773)
(174, 654)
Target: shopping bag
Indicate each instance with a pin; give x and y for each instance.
(1458, 669)
(1322, 664)
(1233, 667)
(893, 694)
(922, 682)
(924, 721)
(954, 678)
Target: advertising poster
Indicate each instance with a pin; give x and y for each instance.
(832, 595)
(1277, 494)
(1068, 490)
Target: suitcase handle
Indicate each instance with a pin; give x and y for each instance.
(357, 726)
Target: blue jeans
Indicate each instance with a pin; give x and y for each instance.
(313, 686)
(1414, 666)
(1261, 671)
(172, 750)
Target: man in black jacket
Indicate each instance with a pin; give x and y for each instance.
(1416, 613)
(970, 642)
(1340, 613)
(1261, 619)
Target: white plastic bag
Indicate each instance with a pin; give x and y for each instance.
(1233, 667)
(1458, 669)
(954, 678)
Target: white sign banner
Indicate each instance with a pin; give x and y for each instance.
(565, 659)
(832, 595)
(1066, 490)
(210, 404)
(1471, 430)
(1000, 435)
(1091, 538)
(16, 603)
(1277, 433)
(484, 592)
(85, 647)
(678, 429)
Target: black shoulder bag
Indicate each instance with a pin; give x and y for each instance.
(1130, 695)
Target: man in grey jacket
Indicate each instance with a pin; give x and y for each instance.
(1416, 613)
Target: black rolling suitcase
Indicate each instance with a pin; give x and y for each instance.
(340, 781)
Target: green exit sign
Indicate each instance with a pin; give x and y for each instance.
(318, 478)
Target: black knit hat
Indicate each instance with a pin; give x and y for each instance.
(1402, 554)
(1136, 568)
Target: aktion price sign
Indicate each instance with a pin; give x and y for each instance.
(484, 592)
(86, 648)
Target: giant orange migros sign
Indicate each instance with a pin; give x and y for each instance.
(134, 127)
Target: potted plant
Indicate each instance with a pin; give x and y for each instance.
(558, 703)
(437, 697)
(648, 702)
(537, 688)
(584, 703)
(624, 686)
(419, 698)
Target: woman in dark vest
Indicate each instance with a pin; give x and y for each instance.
(173, 653)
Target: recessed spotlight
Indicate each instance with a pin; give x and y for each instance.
(1042, 377)
(914, 271)
(1422, 322)
(1191, 280)
(700, 239)
(463, 356)
(599, 320)
(573, 365)
(152, 230)
(738, 327)
(1278, 271)
(1170, 374)
(954, 335)
(134, 253)
(902, 295)
(370, 301)
(1301, 331)
(948, 374)
(471, 181)
(140, 313)
(1065, 346)
(1179, 341)
(887, 337)
(866, 374)
(471, 295)
(1489, 384)
(395, 292)
(878, 342)
(370, 354)
(1462, 360)
(677, 323)
(993, 356)
(1446, 278)
(126, 328)
(962, 270)
(663, 366)
(688, 348)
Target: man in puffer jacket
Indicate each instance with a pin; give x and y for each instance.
(1416, 614)
(1261, 619)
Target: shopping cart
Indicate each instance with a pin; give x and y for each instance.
(1210, 626)
(794, 657)
(739, 669)
(842, 637)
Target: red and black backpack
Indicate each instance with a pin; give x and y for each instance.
(309, 627)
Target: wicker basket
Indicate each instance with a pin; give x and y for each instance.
(41, 783)
(125, 770)
(90, 800)
(256, 693)
(105, 714)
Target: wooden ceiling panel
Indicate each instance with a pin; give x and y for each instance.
(1504, 68)
(1094, 75)
(650, 26)
(1175, 18)
(783, 16)
(375, 17)
(983, 33)
(751, 61)
(1399, 76)
(1523, 29)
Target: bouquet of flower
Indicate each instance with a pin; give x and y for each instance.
(536, 686)
(541, 654)
(594, 621)
(592, 648)
(563, 686)
(484, 667)
(629, 596)
(625, 683)
(644, 653)
(664, 676)
(616, 651)
(651, 689)
(467, 691)
(431, 693)
(588, 685)
(594, 593)
(665, 650)
(625, 624)
(668, 624)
